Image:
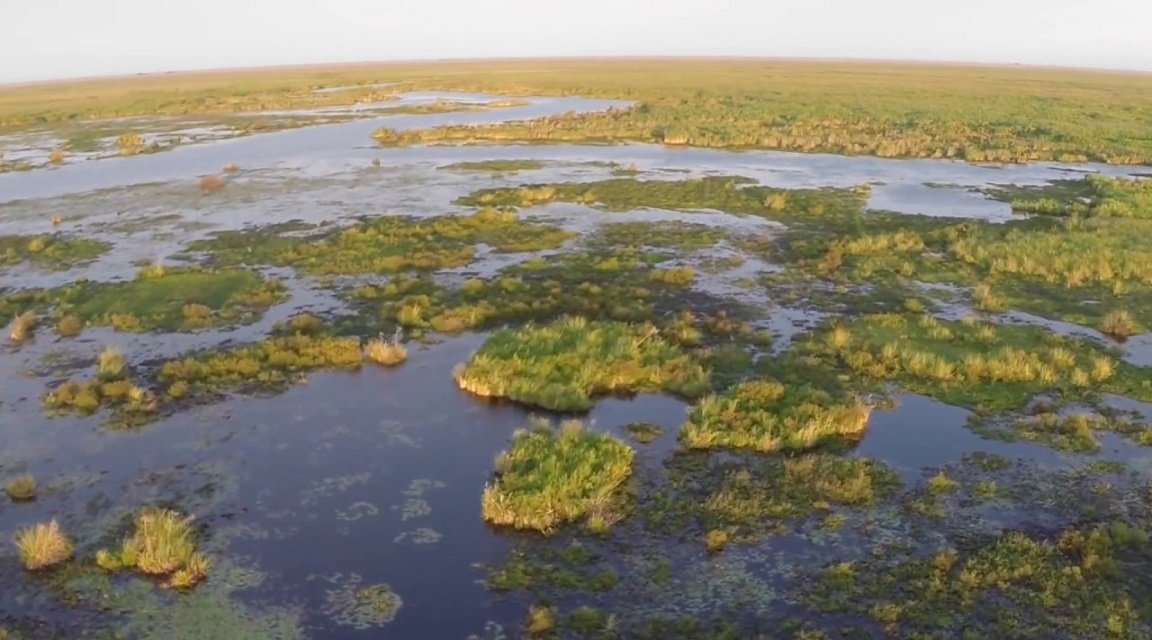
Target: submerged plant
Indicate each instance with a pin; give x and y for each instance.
(22, 488)
(549, 477)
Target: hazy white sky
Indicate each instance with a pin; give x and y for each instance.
(42, 39)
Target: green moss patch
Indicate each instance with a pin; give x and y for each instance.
(550, 477)
(385, 244)
(765, 415)
(564, 365)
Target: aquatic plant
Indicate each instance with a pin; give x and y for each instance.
(495, 166)
(111, 365)
(69, 326)
(385, 352)
(361, 607)
(22, 327)
(768, 416)
(541, 620)
(643, 432)
(1118, 324)
(161, 545)
(549, 477)
(564, 365)
(22, 488)
(43, 545)
(211, 184)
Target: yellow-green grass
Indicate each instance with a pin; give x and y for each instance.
(565, 365)
(1075, 432)
(765, 415)
(885, 109)
(272, 363)
(22, 327)
(162, 545)
(972, 362)
(730, 194)
(54, 251)
(673, 234)
(891, 109)
(495, 166)
(384, 352)
(550, 477)
(43, 545)
(385, 244)
(174, 299)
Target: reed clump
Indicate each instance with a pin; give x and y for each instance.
(564, 365)
(161, 546)
(765, 415)
(388, 353)
(43, 545)
(23, 326)
(554, 476)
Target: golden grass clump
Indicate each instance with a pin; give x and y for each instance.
(764, 415)
(564, 365)
(231, 167)
(112, 365)
(549, 477)
(1118, 324)
(69, 326)
(388, 353)
(56, 156)
(23, 326)
(22, 488)
(43, 545)
(161, 546)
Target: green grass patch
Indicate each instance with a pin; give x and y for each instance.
(765, 415)
(385, 244)
(1075, 432)
(574, 567)
(971, 362)
(157, 299)
(550, 477)
(270, 364)
(682, 236)
(495, 166)
(53, 251)
(563, 366)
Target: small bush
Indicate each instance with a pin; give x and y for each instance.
(43, 545)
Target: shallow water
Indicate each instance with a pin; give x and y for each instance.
(319, 480)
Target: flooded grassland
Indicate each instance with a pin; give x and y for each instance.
(312, 384)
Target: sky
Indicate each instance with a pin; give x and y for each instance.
(53, 39)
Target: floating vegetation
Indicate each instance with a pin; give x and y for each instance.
(421, 535)
(1013, 585)
(54, 251)
(684, 236)
(43, 545)
(161, 546)
(360, 607)
(415, 505)
(564, 365)
(1071, 432)
(643, 432)
(768, 416)
(574, 567)
(385, 244)
(549, 477)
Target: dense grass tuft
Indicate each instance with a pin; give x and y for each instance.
(765, 415)
(549, 477)
(43, 545)
(564, 365)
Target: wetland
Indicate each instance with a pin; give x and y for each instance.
(467, 352)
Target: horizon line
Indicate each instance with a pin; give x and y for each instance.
(502, 59)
